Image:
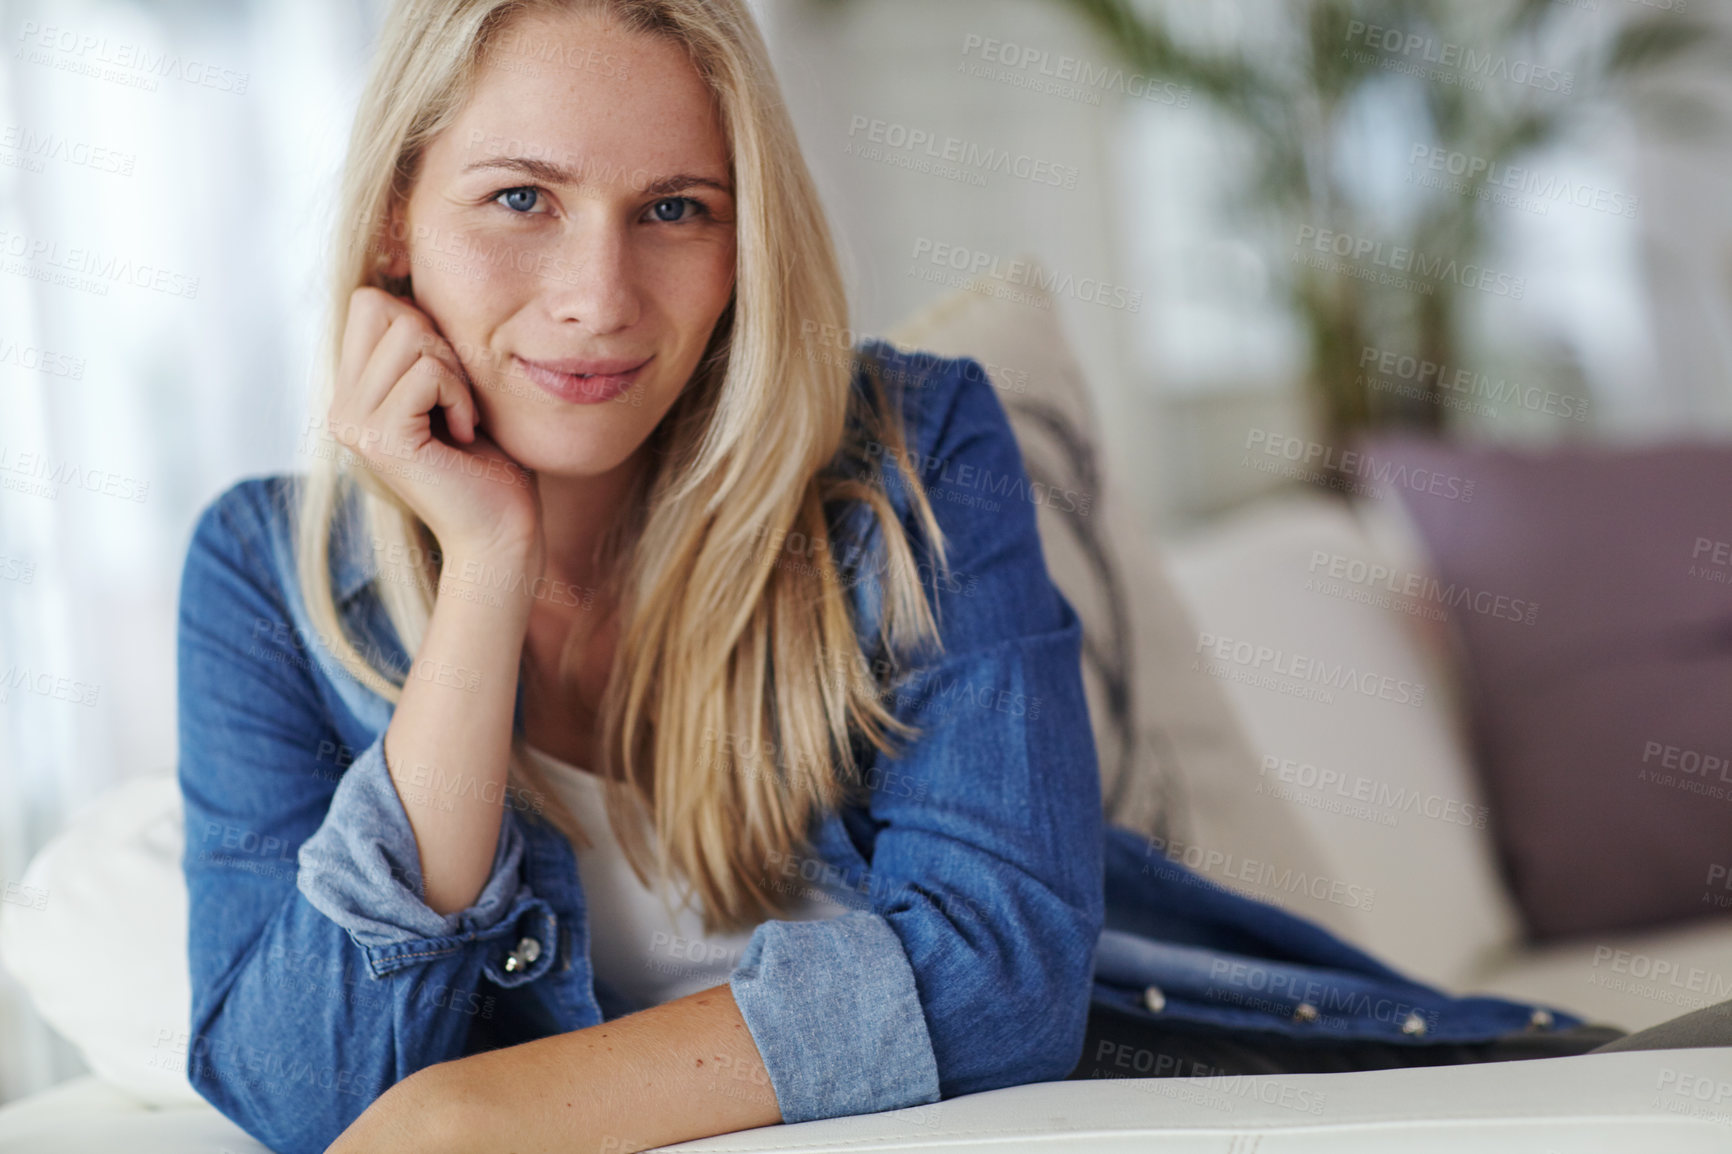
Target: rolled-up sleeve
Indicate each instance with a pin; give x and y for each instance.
(319, 978)
(799, 980)
(361, 868)
(971, 968)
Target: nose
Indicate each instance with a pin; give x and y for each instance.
(593, 281)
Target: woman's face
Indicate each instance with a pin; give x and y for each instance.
(576, 220)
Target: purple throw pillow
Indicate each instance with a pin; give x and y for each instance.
(1592, 593)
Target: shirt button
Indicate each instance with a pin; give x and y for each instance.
(1414, 1026)
(1154, 999)
(528, 949)
(1540, 1020)
(1305, 1012)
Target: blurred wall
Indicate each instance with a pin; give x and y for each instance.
(861, 77)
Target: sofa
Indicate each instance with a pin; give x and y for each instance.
(1361, 812)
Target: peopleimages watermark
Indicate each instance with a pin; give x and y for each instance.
(1362, 474)
(1658, 979)
(1511, 185)
(87, 269)
(919, 372)
(60, 687)
(1359, 796)
(40, 360)
(29, 149)
(460, 253)
(1688, 770)
(1374, 576)
(1390, 264)
(1174, 1076)
(35, 474)
(105, 58)
(694, 951)
(1717, 889)
(962, 483)
(1687, 1092)
(240, 848)
(956, 265)
(796, 552)
(1711, 561)
(533, 48)
(30, 897)
(1459, 388)
(1300, 669)
(1260, 874)
(437, 788)
(474, 579)
(1470, 67)
(1064, 76)
(1291, 987)
(745, 754)
(809, 877)
(317, 440)
(289, 645)
(906, 146)
(238, 1064)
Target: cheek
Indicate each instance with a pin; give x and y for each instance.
(694, 287)
(465, 282)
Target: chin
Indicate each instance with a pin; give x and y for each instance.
(580, 443)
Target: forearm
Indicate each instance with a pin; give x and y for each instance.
(676, 1072)
(450, 736)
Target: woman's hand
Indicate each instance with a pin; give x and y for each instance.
(396, 369)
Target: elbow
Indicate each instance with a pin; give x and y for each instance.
(1063, 979)
(1028, 1016)
(262, 1094)
(1064, 991)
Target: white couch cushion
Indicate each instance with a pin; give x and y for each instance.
(88, 1115)
(104, 958)
(1676, 1101)
(1356, 732)
(1632, 981)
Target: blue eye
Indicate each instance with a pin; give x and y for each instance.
(519, 200)
(676, 203)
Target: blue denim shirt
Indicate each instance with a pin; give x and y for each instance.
(990, 904)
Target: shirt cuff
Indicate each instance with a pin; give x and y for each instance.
(362, 869)
(797, 982)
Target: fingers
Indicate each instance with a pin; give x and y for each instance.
(405, 341)
(402, 339)
(459, 404)
(369, 315)
(427, 384)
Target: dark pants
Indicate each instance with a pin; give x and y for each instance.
(1119, 1045)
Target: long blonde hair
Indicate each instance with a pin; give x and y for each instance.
(738, 682)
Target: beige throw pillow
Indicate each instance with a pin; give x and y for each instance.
(1175, 763)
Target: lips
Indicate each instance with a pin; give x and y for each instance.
(589, 366)
(584, 380)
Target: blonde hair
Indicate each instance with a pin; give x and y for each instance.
(720, 637)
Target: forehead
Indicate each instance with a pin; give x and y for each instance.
(580, 91)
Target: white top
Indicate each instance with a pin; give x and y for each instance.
(639, 942)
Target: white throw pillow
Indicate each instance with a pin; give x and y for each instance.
(101, 948)
(1347, 696)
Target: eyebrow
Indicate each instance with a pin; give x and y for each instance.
(549, 172)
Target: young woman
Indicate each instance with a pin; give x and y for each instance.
(596, 747)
